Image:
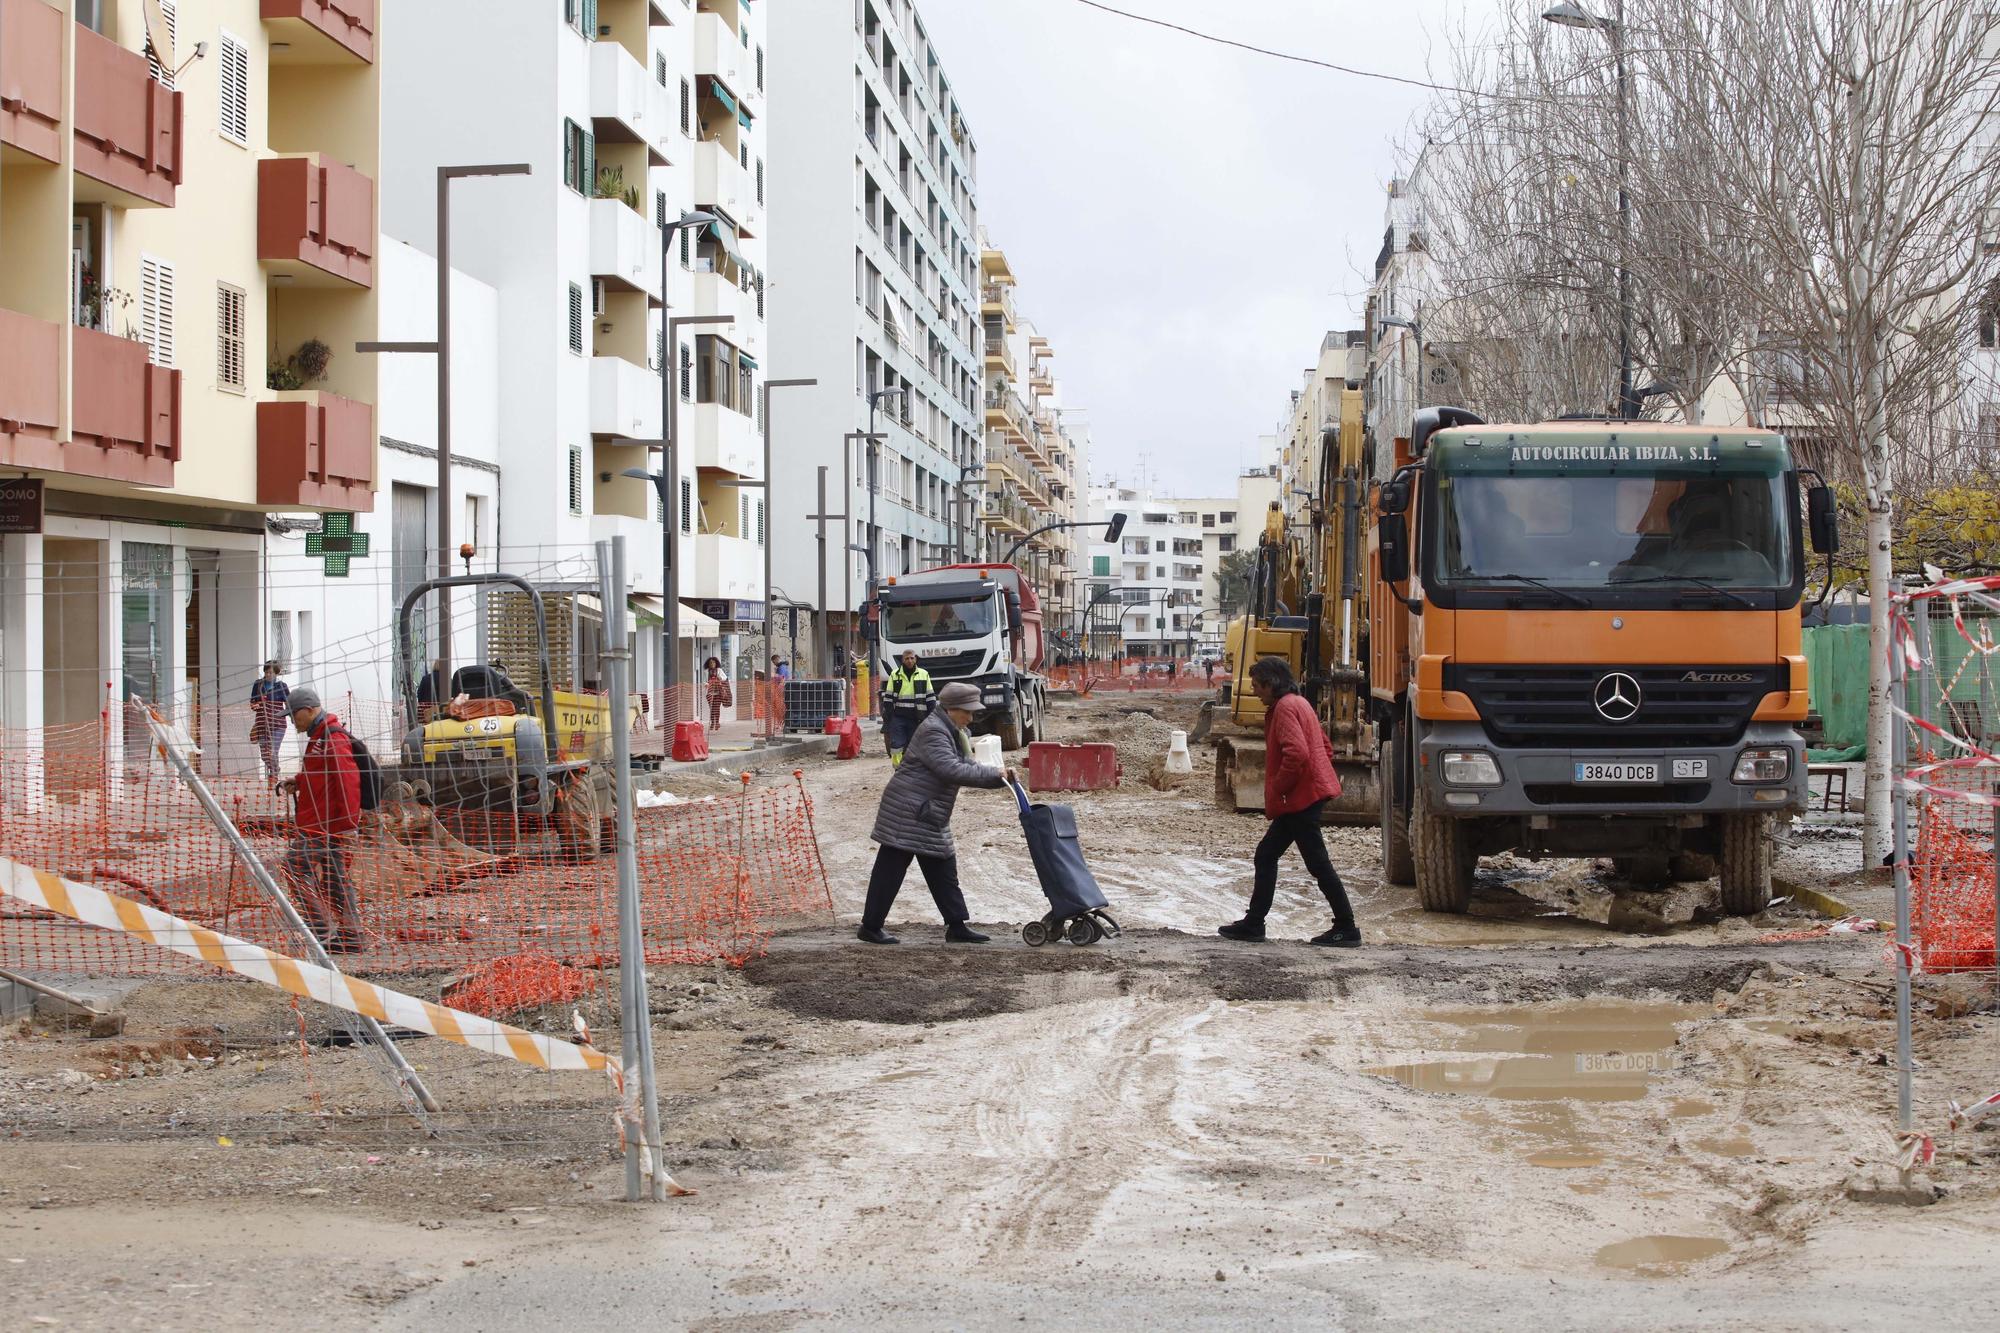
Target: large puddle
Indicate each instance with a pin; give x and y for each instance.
(1583, 1052)
(1658, 1256)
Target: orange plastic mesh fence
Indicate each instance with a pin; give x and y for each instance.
(432, 888)
(1951, 873)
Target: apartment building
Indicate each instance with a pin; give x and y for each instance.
(1153, 577)
(874, 171)
(630, 114)
(1343, 363)
(188, 218)
(1032, 460)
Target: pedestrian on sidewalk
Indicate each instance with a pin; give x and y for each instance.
(914, 820)
(328, 791)
(1298, 782)
(267, 715)
(718, 692)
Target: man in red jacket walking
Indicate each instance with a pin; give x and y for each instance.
(1298, 782)
(328, 789)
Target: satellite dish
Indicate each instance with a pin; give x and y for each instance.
(159, 35)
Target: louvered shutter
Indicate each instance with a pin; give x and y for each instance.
(156, 308)
(576, 319)
(575, 480)
(233, 115)
(590, 19)
(164, 72)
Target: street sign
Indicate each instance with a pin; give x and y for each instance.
(21, 505)
(726, 609)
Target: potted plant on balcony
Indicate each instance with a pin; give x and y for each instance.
(305, 366)
(611, 185)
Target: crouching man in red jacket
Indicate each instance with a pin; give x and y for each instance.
(1298, 782)
(328, 788)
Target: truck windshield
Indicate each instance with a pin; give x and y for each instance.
(916, 622)
(1708, 528)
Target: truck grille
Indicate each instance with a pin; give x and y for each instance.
(1553, 707)
(954, 664)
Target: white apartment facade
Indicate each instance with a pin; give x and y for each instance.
(873, 171)
(1154, 575)
(630, 114)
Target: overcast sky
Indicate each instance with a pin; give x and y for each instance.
(1186, 220)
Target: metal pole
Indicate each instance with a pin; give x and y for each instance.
(635, 1017)
(846, 556)
(314, 949)
(444, 413)
(1628, 406)
(1899, 765)
(770, 624)
(822, 649)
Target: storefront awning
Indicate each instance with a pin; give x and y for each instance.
(721, 94)
(651, 611)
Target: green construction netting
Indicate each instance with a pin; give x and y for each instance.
(1837, 685)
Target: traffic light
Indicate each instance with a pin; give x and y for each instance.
(1115, 527)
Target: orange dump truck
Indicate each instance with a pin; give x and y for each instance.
(1585, 642)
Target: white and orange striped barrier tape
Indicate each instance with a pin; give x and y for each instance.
(94, 907)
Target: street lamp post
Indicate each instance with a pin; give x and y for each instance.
(441, 348)
(875, 479)
(1570, 15)
(765, 484)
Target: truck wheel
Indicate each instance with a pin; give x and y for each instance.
(577, 823)
(1010, 729)
(1442, 855)
(1691, 867)
(1397, 865)
(1746, 859)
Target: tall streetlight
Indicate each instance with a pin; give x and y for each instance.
(964, 505)
(874, 471)
(1567, 14)
(441, 348)
(765, 416)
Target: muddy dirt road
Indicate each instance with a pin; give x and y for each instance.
(1519, 1119)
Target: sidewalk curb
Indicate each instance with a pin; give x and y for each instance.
(1824, 903)
(737, 760)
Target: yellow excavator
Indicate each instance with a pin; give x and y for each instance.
(1309, 606)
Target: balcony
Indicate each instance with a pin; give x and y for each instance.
(720, 53)
(720, 179)
(726, 566)
(321, 32)
(128, 128)
(999, 356)
(624, 399)
(723, 438)
(627, 104)
(316, 221)
(997, 299)
(125, 421)
(31, 78)
(315, 451)
(1003, 511)
(624, 247)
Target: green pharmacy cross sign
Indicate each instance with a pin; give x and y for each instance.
(336, 543)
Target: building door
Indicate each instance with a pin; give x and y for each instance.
(146, 571)
(73, 664)
(409, 539)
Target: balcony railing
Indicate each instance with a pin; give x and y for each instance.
(342, 27)
(31, 78)
(128, 127)
(315, 451)
(316, 220)
(125, 412)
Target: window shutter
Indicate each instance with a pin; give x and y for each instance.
(575, 480)
(684, 247)
(569, 153)
(233, 116)
(687, 504)
(760, 67)
(156, 309)
(760, 522)
(576, 319)
(660, 68)
(687, 374)
(743, 517)
(590, 20)
(660, 209)
(760, 296)
(589, 184)
(229, 336)
(687, 107)
(660, 350)
(760, 180)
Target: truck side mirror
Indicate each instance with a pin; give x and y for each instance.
(1393, 497)
(1392, 547)
(1822, 520)
(1013, 613)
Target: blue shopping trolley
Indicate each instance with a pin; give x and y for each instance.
(1076, 905)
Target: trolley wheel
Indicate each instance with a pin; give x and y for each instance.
(1035, 934)
(1085, 930)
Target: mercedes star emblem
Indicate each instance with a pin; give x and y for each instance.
(1616, 697)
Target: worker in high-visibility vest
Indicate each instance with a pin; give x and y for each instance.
(907, 696)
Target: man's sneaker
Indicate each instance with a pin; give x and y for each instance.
(874, 935)
(1251, 932)
(960, 933)
(1340, 937)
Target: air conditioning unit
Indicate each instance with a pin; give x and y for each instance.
(596, 296)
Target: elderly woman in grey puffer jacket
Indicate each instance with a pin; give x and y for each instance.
(914, 820)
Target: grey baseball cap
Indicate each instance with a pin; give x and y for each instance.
(304, 697)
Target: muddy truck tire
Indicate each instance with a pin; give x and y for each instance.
(1441, 850)
(579, 822)
(1010, 730)
(1398, 866)
(1746, 862)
